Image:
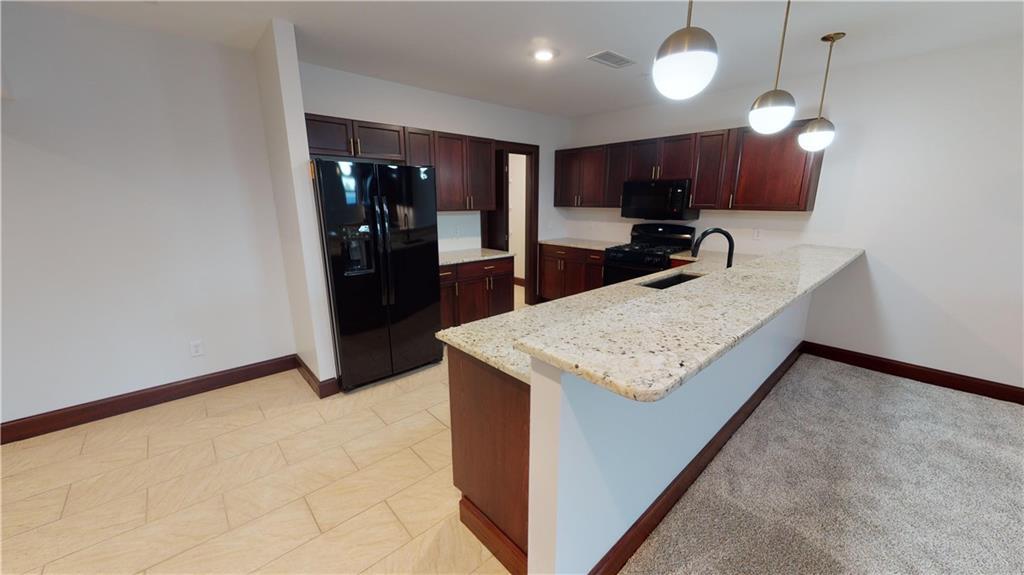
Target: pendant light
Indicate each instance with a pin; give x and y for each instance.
(819, 133)
(686, 61)
(773, 110)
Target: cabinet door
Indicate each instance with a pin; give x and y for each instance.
(575, 276)
(501, 294)
(379, 141)
(774, 172)
(551, 284)
(618, 165)
(676, 158)
(419, 147)
(449, 306)
(329, 136)
(643, 160)
(450, 171)
(708, 179)
(567, 177)
(473, 299)
(480, 174)
(593, 276)
(593, 171)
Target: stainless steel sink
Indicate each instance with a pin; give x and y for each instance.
(670, 281)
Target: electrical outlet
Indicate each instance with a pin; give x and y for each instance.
(195, 347)
(757, 234)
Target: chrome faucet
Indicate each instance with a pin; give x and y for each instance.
(708, 232)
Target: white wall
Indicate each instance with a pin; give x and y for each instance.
(137, 211)
(925, 174)
(336, 93)
(277, 65)
(517, 212)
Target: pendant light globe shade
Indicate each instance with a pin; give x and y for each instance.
(686, 63)
(772, 112)
(817, 135)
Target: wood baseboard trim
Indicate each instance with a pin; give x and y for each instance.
(619, 554)
(504, 549)
(519, 281)
(920, 373)
(321, 388)
(34, 425)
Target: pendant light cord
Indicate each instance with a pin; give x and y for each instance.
(782, 44)
(689, 14)
(828, 64)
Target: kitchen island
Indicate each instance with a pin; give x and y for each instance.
(573, 420)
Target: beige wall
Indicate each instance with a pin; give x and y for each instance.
(517, 211)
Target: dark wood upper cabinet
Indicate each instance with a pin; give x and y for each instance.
(329, 136)
(773, 172)
(419, 147)
(379, 141)
(677, 158)
(450, 171)
(618, 165)
(480, 173)
(567, 177)
(593, 171)
(643, 160)
(710, 171)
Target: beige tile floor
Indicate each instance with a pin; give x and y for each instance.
(257, 477)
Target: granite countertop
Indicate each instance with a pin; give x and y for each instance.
(643, 343)
(471, 255)
(709, 261)
(583, 244)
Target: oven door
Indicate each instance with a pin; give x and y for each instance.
(615, 272)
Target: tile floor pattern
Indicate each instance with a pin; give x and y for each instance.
(257, 477)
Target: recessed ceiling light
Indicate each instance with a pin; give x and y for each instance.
(544, 55)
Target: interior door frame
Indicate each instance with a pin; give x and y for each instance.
(532, 153)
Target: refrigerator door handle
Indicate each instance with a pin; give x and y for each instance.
(380, 249)
(386, 216)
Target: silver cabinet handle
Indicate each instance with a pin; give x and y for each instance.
(359, 148)
(730, 201)
(456, 289)
(352, 146)
(652, 171)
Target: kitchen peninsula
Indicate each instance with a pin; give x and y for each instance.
(570, 418)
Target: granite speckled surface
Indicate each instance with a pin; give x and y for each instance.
(710, 261)
(471, 255)
(643, 343)
(599, 245)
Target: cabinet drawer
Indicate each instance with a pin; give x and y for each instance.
(485, 268)
(572, 254)
(593, 256)
(447, 273)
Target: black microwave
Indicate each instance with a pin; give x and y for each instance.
(658, 200)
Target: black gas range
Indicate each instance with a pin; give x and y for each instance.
(649, 251)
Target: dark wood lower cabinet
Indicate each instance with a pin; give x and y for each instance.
(568, 271)
(475, 290)
(490, 413)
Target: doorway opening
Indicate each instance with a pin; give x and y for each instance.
(512, 226)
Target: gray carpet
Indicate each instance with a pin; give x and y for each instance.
(845, 470)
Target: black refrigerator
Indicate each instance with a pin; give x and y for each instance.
(378, 226)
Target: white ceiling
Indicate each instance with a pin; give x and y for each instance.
(482, 49)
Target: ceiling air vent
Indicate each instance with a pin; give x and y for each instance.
(611, 59)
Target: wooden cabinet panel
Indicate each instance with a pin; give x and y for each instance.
(618, 166)
(329, 136)
(643, 160)
(575, 276)
(593, 276)
(592, 173)
(450, 171)
(551, 283)
(473, 298)
(502, 298)
(774, 172)
(676, 161)
(419, 147)
(708, 179)
(379, 141)
(480, 174)
(482, 268)
(449, 305)
(567, 178)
